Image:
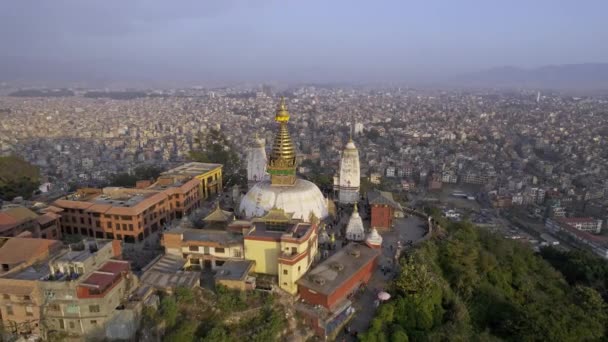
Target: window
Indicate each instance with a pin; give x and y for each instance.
(124, 226)
(193, 248)
(26, 297)
(6, 296)
(285, 272)
(93, 322)
(9, 310)
(130, 226)
(93, 308)
(72, 325)
(109, 224)
(61, 324)
(219, 250)
(54, 307)
(236, 253)
(29, 311)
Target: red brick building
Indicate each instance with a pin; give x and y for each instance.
(329, 285)
(383, 208)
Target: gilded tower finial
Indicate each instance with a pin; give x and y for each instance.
(282, 113)
(282, 161)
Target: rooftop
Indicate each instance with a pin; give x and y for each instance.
(219, 237)
(234, 270)
(275, 232)
(192, 169)
(120, 197)
(167, 273)
(17, 250)
(105, 275)
(334, 272)
(382, 197)
(81, 251)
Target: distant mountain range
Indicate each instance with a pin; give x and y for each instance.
(567, 76)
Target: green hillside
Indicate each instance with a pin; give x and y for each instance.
(17, 178)
(472, 285)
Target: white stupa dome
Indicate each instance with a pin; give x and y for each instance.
(373, 238)
(301, 199)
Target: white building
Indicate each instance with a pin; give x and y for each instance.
(349, 177)
(355, 230)
(256, 162)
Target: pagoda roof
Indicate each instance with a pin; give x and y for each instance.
(276, 215)
(382, 198)
(219, 215)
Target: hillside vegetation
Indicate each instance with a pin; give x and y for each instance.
(17, 178)
(472, 285)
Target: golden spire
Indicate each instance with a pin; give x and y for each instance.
(282, 161)
(282, 113)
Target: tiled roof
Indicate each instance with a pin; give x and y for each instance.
(19, 250)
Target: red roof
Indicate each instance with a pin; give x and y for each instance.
(99, 280)
(106, 274)
(588, 236)
(7, 221)
(574, 220)
(115, 266)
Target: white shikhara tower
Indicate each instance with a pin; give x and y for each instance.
(349, 177)
(355, 230)
(256, 162)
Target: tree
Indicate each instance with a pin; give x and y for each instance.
(17, 178)
(169, 311)
(142, 172)
(214, 147)
(185, 331)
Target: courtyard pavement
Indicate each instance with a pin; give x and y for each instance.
(410, 228)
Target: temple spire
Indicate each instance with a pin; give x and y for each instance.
(282, 161)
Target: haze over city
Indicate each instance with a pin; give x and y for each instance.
(303, 171)
(219, 42)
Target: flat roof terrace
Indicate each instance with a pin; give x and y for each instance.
(334, 272)
(192, 169)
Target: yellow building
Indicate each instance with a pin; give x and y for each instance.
(282, 246)
(209, 175)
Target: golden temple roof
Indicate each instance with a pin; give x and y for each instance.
(275, 215)
(219, 215)
(282, 160)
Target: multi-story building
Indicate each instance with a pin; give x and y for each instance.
(325, 289)
(276, 244)
(282, 246)
(133, 214)
(449, 176)
(586, 224)
(74, 290)
(209, 176)
(16, 220)
(203, 248)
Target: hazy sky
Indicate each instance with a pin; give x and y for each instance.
(307, 40)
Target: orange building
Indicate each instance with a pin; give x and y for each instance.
(383, 208)
(21, 221)
(133, 214)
